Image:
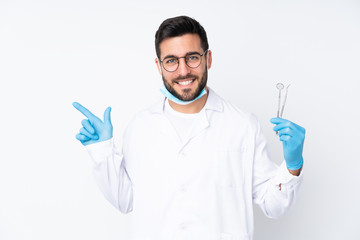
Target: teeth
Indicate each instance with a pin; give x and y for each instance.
(185, 83)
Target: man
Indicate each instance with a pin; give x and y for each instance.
(192, 165)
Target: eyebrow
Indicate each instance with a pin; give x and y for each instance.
(189, 53)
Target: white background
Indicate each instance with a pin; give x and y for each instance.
(101, 53)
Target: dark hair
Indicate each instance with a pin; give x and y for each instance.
(178, 26)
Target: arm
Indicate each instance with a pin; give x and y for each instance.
(295, 172)
(109, 164)
(275, 189)
(111, 176)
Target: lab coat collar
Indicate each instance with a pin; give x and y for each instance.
(213, 102)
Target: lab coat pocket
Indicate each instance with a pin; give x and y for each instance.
(229, 168)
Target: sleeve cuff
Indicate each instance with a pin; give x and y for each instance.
(101, 149)
(286, 178)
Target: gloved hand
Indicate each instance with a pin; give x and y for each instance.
(293, 137)
(94, 130)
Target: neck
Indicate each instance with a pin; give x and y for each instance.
(193, 107)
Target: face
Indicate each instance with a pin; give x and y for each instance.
(185, 83)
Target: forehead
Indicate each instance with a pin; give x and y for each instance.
(179, 46)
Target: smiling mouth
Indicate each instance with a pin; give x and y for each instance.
(185, 82)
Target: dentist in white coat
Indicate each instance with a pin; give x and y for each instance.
(192, 165)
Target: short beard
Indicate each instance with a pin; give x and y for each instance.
(187, 96)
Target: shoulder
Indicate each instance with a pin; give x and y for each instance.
(235, 114)
(148, 115)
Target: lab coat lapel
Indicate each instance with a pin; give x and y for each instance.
(164, 125)
(213, 103)
(166, 128)
(202, 124)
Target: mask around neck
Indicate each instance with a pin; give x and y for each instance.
(176, 100)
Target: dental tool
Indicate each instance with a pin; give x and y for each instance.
(280, 110)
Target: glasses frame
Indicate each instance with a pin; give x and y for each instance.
(178, 61)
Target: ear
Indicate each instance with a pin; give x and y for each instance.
(209, 59)
(158, 64)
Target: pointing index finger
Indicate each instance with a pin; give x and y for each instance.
(84, 111)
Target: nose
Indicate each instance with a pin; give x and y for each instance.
(183, 69)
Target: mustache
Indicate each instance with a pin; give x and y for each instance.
(185, 77)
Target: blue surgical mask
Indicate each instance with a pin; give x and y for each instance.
(176, 100)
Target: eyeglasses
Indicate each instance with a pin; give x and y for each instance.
(192, 60)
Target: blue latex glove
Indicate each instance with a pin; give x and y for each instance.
(94, 130)
(293, 137)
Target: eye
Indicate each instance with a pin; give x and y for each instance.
(193, 57)
(170, 61)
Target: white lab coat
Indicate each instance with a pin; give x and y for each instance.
(202, 189)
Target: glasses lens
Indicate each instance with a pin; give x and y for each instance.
(170, 64)
(193, 60)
